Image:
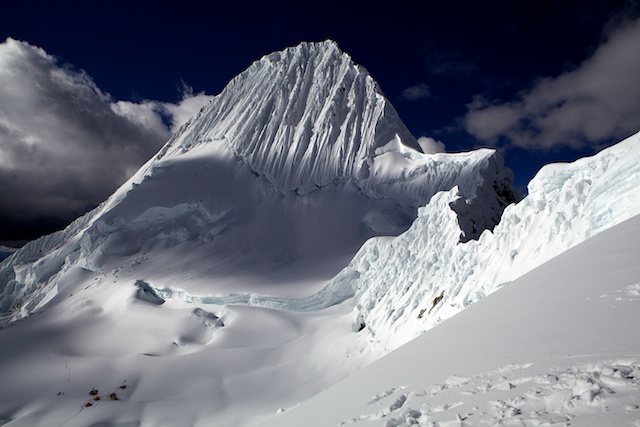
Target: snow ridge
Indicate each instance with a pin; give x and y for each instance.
(309, 117)
(27, 271)
(408, 284)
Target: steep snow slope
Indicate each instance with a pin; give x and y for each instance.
(270, 189)
(303, 118)
(406, 285)
(555, 347)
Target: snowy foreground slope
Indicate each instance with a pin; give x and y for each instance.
(558, 346)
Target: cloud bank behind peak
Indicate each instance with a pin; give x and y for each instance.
(587, 106)
(65, 145)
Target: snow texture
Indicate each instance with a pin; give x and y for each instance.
(555, 347)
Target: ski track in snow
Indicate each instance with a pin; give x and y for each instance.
(64, 360)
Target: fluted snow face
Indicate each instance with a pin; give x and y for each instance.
(308, 117)
(303, 118)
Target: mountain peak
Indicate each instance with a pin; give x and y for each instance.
(302, 118)
(327, 46)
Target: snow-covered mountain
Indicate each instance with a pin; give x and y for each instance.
(287, 235)
(293, 166)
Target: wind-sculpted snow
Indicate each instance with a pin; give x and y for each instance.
(408, 284)
(24, 276)
(555, 347)
(397, 281)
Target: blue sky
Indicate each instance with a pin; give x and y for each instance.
(91, 91)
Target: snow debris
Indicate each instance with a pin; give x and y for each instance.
(147, 293)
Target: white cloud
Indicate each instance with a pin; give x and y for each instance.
(150, 114)
(598, 100)
(189, 105)
(416, 92)
(64, 144)
(430, 145)
(146, 114)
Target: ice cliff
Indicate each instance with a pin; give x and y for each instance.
(405, 285)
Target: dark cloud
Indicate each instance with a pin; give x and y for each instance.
(64, 144)
(597, 101)
(416, 92)
(454, 69)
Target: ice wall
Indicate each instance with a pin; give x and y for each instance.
(408, 284)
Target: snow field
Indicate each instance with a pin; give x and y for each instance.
(505, 397)
(182, 361)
